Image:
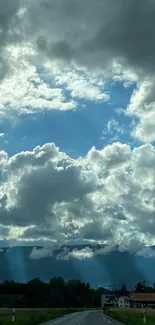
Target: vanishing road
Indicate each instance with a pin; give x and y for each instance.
(84, 318)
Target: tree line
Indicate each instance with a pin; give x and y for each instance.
(141, 287)
(59, 293)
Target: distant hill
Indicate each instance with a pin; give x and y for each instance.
(103, 270)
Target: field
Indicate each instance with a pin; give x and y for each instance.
(32, 316)
(131, 316)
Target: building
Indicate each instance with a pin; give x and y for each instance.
(134, 300)
(140, 300)
(108, 300)
(124, 302)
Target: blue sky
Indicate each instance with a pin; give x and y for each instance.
(75, 131)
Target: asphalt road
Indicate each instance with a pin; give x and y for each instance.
(84, 318)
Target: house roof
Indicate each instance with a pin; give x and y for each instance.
(143, 297)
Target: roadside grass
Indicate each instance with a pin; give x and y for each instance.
(33, 316)
(131, 316)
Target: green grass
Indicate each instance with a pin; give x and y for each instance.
(130, 317)
(32, 316)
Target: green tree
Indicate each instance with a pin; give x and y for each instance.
(57, 282)
(57, 292)
(140, 287)
(123, 290)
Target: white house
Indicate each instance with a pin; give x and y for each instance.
(124, 302)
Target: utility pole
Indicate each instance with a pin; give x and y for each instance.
(13, 315)
(144, 316)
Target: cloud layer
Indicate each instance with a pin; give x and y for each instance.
(91, 37)
(48, 47)
(53, 54)
(106, 197)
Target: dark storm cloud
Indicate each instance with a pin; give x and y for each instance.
(94, 33)
(128, 32)
(87, 32)
(8, 31)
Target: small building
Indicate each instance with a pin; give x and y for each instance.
(140, 300)
(108, 300)
(124, 302)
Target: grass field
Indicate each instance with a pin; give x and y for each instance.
(32, 316)
(131, 316)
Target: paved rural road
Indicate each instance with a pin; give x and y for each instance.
(84, 318)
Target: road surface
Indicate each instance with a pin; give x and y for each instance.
(84, 318)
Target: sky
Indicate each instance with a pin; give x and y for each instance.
(77, 125)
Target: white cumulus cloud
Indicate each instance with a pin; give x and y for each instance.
(106, 197)
(91, 43)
